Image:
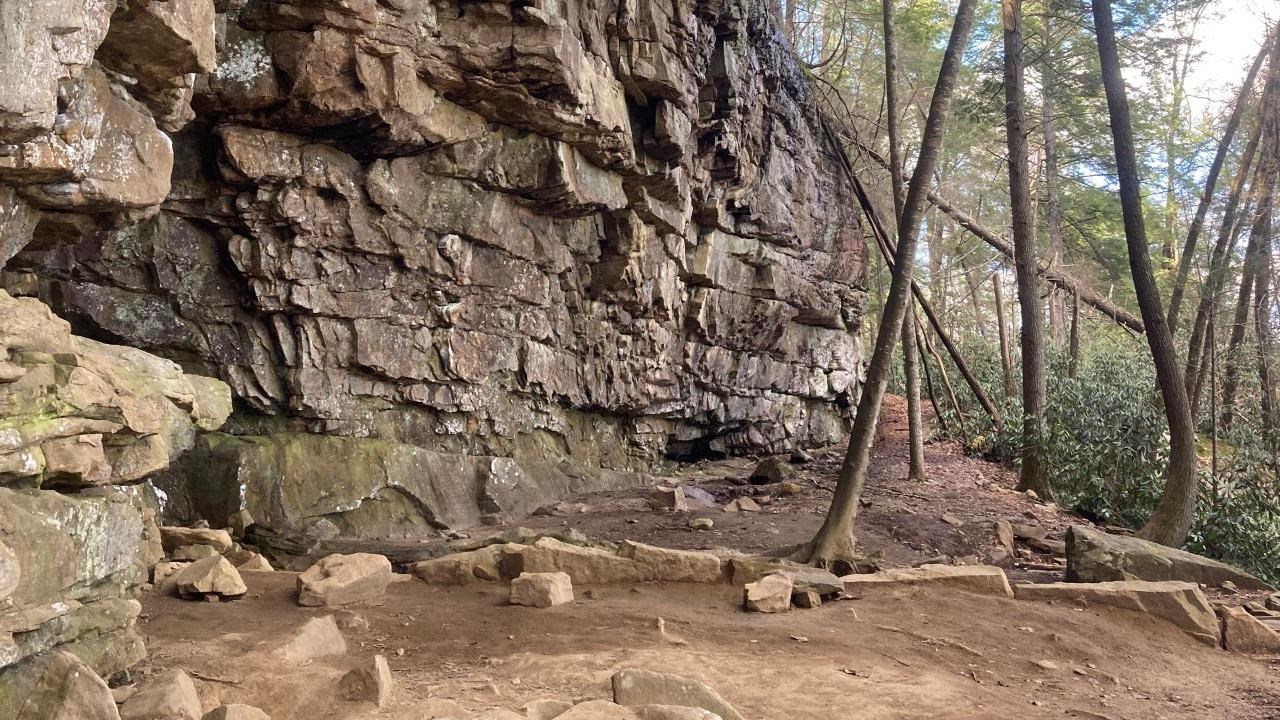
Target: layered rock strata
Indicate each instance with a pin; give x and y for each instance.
(454, 259)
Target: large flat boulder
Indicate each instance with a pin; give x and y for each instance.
(1096, 556)
(344, 580)
(980, 579)
(1180, 603)
(645, 687)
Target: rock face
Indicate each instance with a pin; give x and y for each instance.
(1095, 556)
(495, 254)
(58, 686)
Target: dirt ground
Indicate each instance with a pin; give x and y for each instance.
(905, 654)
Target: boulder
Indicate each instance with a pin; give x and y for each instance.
(598, 710)
(190, 553)
(697, 497)
(770, 594)
(236, 711)
(170, 695)
(771, 471)
(669, 498)
(1096, 556)
(542, 590)
(66, 689)
(1004, 535)
(211, 577)
(344, 579)
(1180, 603)
(980, 579)
(666, 565)
(316, 638)
(673, 712)
(701, 524)
(256, 563)
(742, 504)
(585, 565)
(750, 568)
(177, 537)
(461, 568)
(644, 687)
(806, 599)
(1244, 633)
(546, 709)
(371, 682)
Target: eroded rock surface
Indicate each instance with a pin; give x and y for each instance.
(561, 234)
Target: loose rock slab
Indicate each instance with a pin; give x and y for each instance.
(176, 537)
(1244, 633)
(770, 594)
(67, 688)
(371, 682)
(168, 696)
(644, 687)
(1180, 603)
(461, 568)
(980, 579)
(209, 577)
(318, 637)
(1096, 556)
(344, 580)
(236, 711)
(542, 590)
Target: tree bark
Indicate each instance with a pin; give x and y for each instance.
(1032, 474)
(1006, 358)
(1216, 278)
(910, 369)
(1210, 185)
(1053, 208)
(1074, 367)
(1174, 514)
(833, 543)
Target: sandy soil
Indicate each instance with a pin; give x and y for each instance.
(907, 655)
(937, 655)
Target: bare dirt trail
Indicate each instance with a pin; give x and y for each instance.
(936, 655)
(905, 654)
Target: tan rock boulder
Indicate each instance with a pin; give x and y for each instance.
(67, 689)
(770, 594)
(255, 563)
(344, 579)
(236, 711)
(546, 709)
(542, 590)
(1244, 633)
(667, 565)
(211, 577)
(371, 682)
(644, 687)
(1096, 556)
(1178, 602)
(191, 553)
(980, 579)
(673, 712)
(177, 537)
(585, 565)
(316, 638)
(170, 695)
(598, 710)
(482, 565)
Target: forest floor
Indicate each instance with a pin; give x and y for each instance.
(888, 654)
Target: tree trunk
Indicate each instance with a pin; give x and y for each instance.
(833, 543)
(1215, 280)
(1074, 366)
(1210, 184)
(915, 432)
(1006, 357)
(1032, 475)
(1175, 512)
(1053, 208)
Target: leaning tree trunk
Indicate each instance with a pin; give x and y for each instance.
(1175, 512)
(1215, 280)
(910, 369)
(833, 544)
(1006, 359)
(1033, 475)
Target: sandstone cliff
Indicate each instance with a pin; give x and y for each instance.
(453, 257)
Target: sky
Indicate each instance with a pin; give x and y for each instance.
(1230, 36)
